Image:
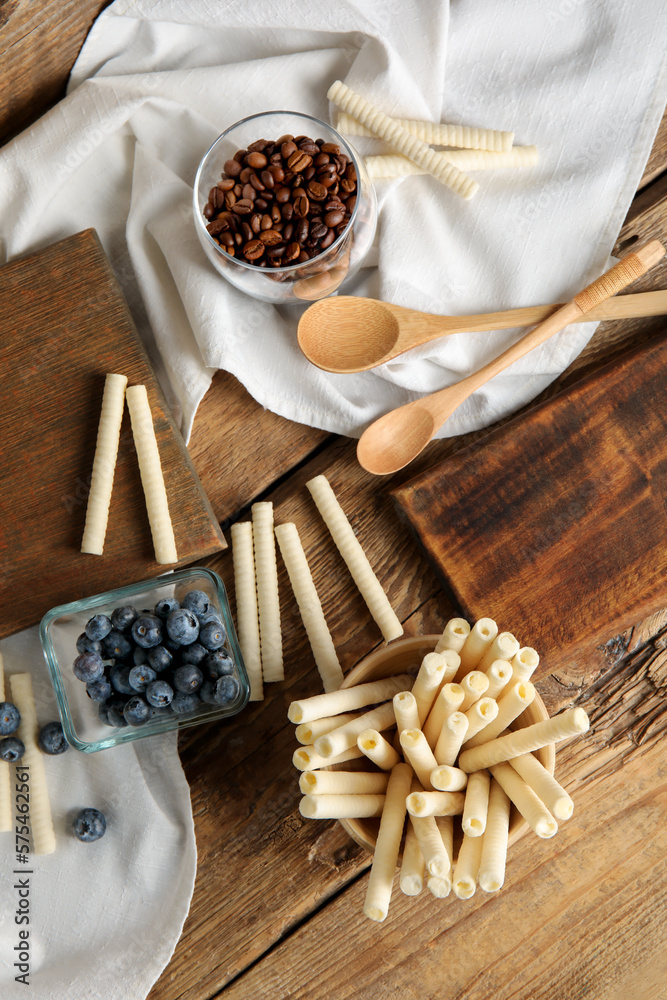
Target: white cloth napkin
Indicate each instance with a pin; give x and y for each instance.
(157, 80)
(104, 917)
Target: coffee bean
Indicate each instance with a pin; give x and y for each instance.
(254, 249)
(256, 222)
(256, 160)
(318, 229)
(301, 205)
(249, 193)
(226, 184)
(245, 175)
(301, 230)
(287, 211)
(209, 210)
(270, 237)
(246, 229)
(268, 180)
(261, 204)
(330, 147)
(283, 195)
(292, 251)
(299, 160)
(287, 149)
(257, 183)
(316, 191)
(244, 206)
(328, 239)
(332, 218)
(232, 168)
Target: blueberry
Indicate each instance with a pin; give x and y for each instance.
(140, 677)
(86, 645)
(116, 646)
(164, 607)
(219, 664)
(116, 713)
(89, 825)
(182, 626)
(103, 713)
(194, 653)
(183, 703)
(159, 694)
(170, 644)
(225, 690)
(123, 618)
(147, 631)
(88, 667)
(197, 601)
(11, 749)
(137, 711)
(10, 718)
(119, 675)
(99, 690)
(160, 659)
(187, 678)
(52, 739)
(210, 616)
(139, 655)
(212, 635)
(97, 627)
(206, 692)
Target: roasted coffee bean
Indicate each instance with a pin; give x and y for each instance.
(244, 206)
(261, 204)
(209, 210)
(232, 168)
(226, 184)
(287, 232)
(268, 180)
(247, 231)
(258, 146)
(277, 171)
(321, 159)
(332, 218)
(240, 155)
(299, 160)
(327, 240)
(310, 147)
(283, 195)
(256, 160)
(249, 193)
(270, 237)
(238, 189)
(275, 253)
(256, 182)
(255, 222)
(254, 249)
(316, 191)
(309, 173)
(267, 222)
(276, 215)
(230, 199)
(301, 205)
(330, 147)
(287, 211)
(217, 226)
(317, 229)
(301, 230)
(287, 149)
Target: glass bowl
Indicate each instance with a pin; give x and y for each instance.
(61, 626)
(299, 282)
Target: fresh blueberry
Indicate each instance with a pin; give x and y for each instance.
(183, 703)
(89, 825)
(88, 667)
(99, 690)
(116, 646)
(219, 664)
(97, 627)
(159, 694)
(11, 749)
(207, 693)
(225, 690)
(197, 601)
(212, 635)
(116, 713)
(140, 677)
(137, 711)
(164, 607)
(171, 644)
(119, 675)
(160, 659)
(194, 653)
(103, 713)
(187, 678)
(123, 618)
(147, 631)
(86, 645)
(52, 739)
(10, 717)
(183, 626)
(210, 616)
(139, 655)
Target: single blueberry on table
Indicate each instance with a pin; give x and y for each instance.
(123, 618)
(197, 601)
(97, 627)
(116, 646)
(88, 667)
(160, 659)
(212, 635)
(116, 713)
(11, 749)
(140, 677)
(119, 675)
(10, 717)
(187, 678)
(183, 626)
(194, 653)
(183, 703)
(164, 607)
(99, 690)
(137, 711)
(219, 664)
(225, 690)
(159, 694)
(147, 631)
(86, 645)
(89, 825)
(51, 739)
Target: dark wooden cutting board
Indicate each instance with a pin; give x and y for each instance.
(556, 524)
(63, 325)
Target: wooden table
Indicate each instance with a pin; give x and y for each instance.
(277, 907)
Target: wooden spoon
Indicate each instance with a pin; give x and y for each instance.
(391, 442)
(347, 333)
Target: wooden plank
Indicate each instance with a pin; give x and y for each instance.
(657, 161)
(63, 325)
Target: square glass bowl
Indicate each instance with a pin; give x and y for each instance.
(61, 626)
(302, 282)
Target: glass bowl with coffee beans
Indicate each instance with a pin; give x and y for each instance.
(284, 207)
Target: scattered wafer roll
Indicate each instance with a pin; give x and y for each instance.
(481, 636)
(524, 663)
(6, 811)
(445, 778)
(347, 699)
(43, 836)
(441, 886)
(544, 785)
(449, 699)
(454, 634)
(418, 754)
(494, 847)
(247, 616)
(504, 647)
(437, 133)
(400, 139)
(475, 684)
(341, 806)
(500, 673)
(343, 782)
(438, 861)
(435, 803)
(374, 746)
(306, 759)
(391, 166)
(310, 607)
(466, 870)
(411, 878)
(341, 739)
(452, 736)
(405, 710)
(357, 562)
(480, 716)
(516, 697)
(308, 732)
(476, 805)
(388, 843)
(150, 470)
(427, 682)
(104, 464)
(452, 664)
(524, 798)
(268, 600)
(573, 722)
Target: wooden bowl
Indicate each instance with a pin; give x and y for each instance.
(405, 656)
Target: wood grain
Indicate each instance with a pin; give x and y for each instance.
(63, 326)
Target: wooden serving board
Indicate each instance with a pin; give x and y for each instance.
(556, 524)
(63, 325)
